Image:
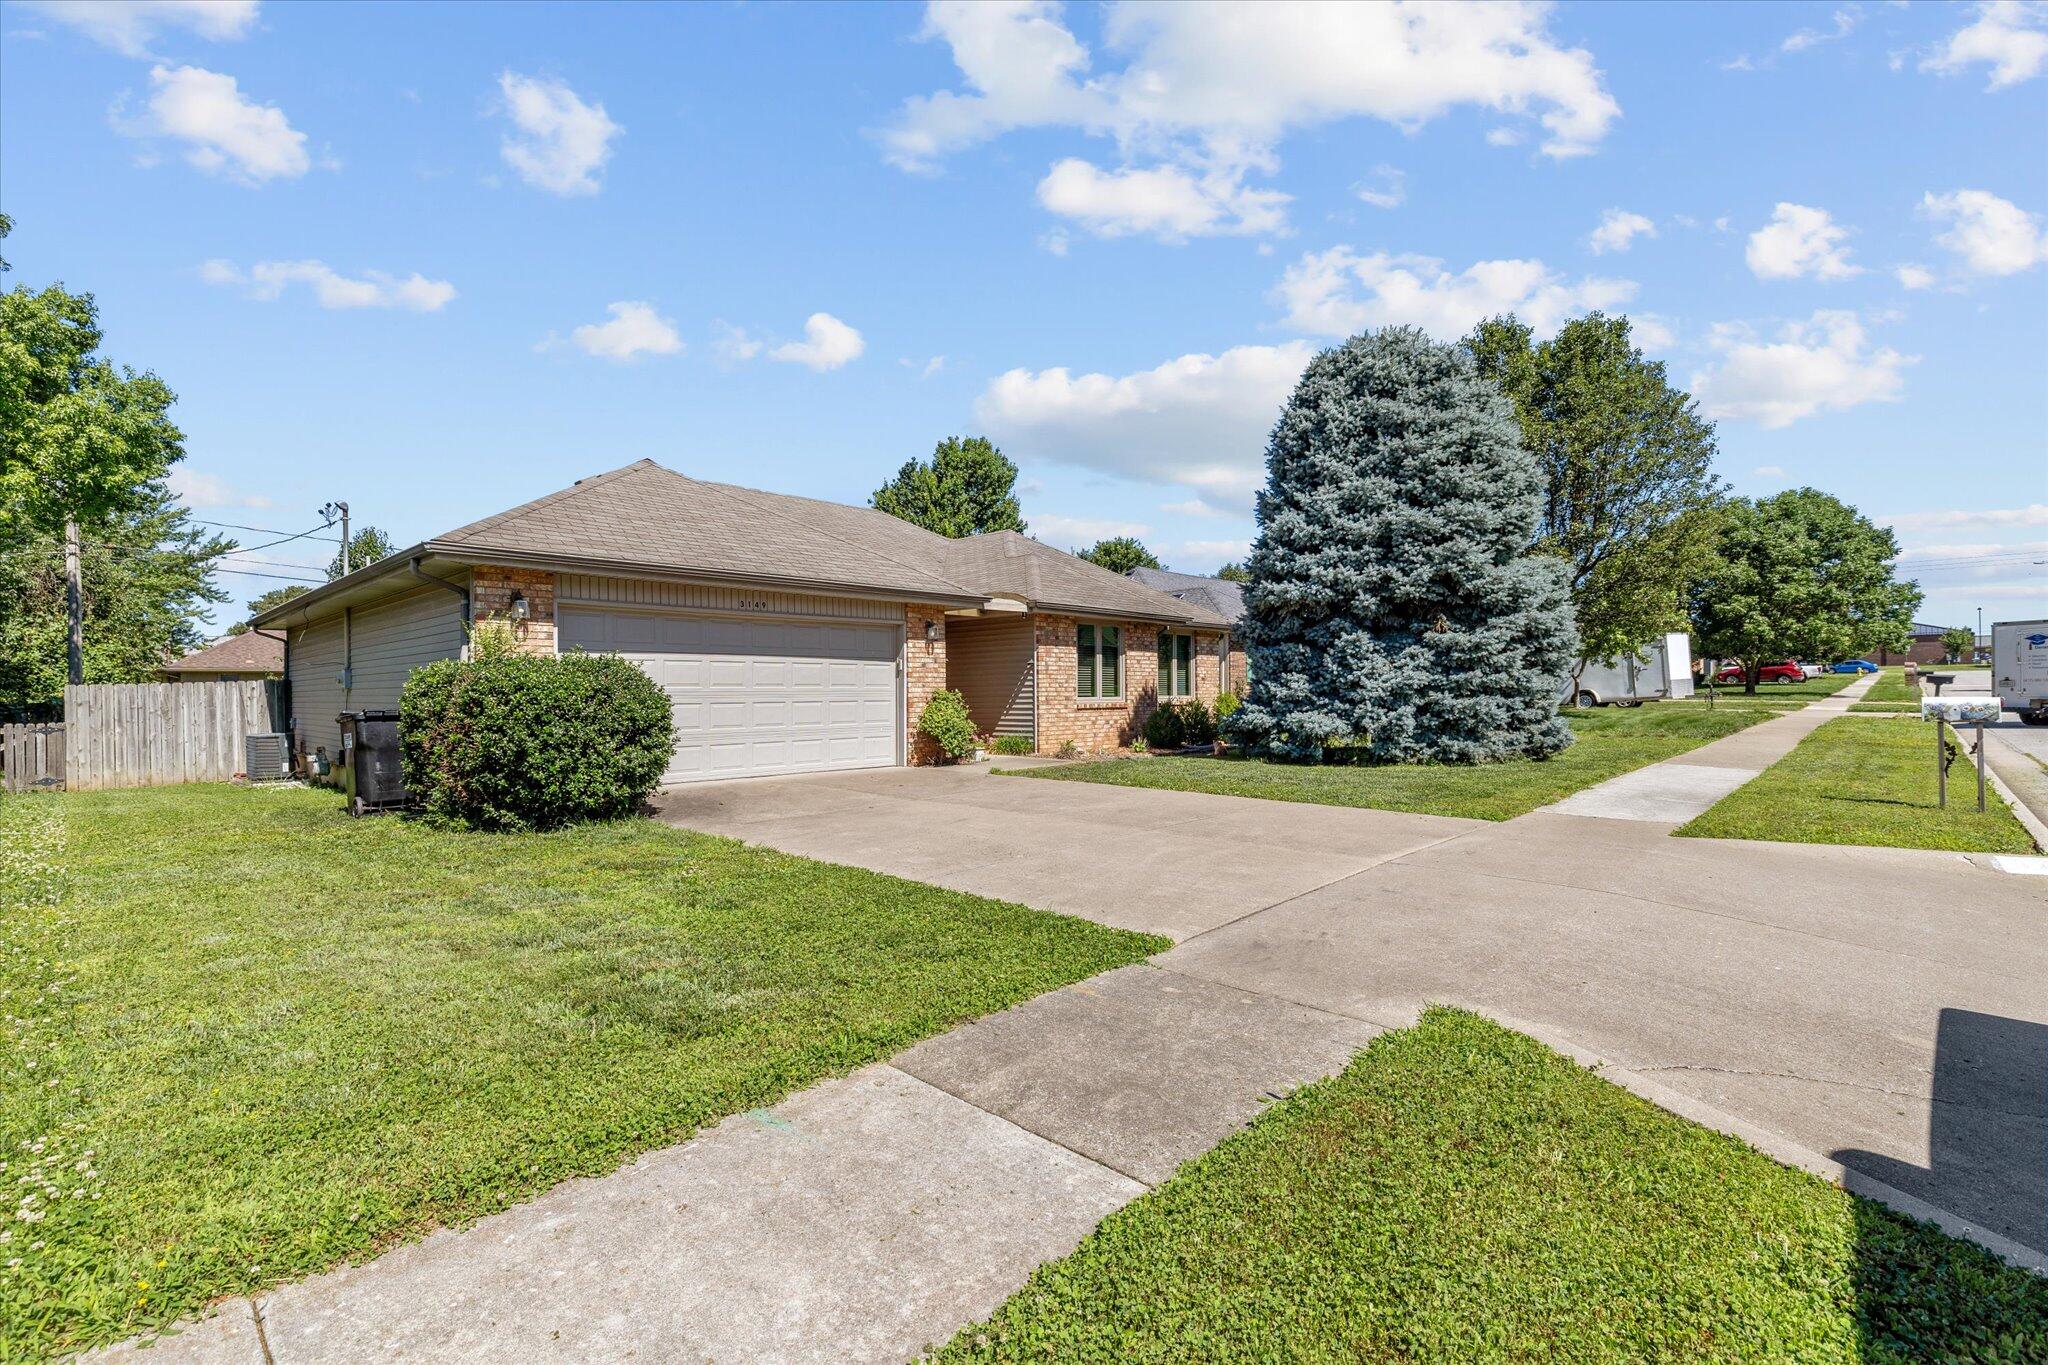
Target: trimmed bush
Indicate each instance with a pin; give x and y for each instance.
(516, 742)
(1197, 723)
(1163, 729)
(946, 723)
(1226, 702)
(1010, 744)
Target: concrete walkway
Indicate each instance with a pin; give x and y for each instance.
(1879, 1013)
(1674, 791)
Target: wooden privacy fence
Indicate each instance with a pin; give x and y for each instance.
(32, 756)
(148, 734)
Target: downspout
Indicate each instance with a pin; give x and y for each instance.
(456, 588)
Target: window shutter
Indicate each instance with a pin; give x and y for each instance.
(1084, 661)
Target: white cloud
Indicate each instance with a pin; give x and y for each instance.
(559, 143)
(224, 131)
(635, 329)
(2007, 36)
(1338, 292)
(1199, 420)
(1992, 236)
(1980, 521)
(1767, 471)
(1192, 507)
(1800, 241)
(1843, 23)
(1652, 331)
(1168, 202)
(198, 490)
(1823, 364)
(1618, 230)
(828, 344)
(1080, 532)
(1219, 552)
(925, 369)
(267, 280)
(1388, 190)
(1209, 90)
(736, 343)
(130, 26)
(1914, 276)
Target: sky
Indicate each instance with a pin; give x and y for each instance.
(435, 260)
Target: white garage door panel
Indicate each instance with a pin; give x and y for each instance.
(757, 697)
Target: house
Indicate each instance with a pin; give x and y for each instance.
(1220, 595)
(233, 658)
(1923, 646)
(791, 635)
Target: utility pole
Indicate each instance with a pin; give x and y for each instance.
(340, 509)
(74, 608)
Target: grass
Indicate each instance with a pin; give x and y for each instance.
(1891, 686)
(1609, 742)
(252, 1038)
(1894, 708)
(1463, 1193)
(1857, 782)
(1805, 690)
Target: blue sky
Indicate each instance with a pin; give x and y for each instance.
(435, 260)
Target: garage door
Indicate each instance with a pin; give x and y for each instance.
(758, 697)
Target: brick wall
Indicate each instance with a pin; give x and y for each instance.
(490, 599)
(924, 672)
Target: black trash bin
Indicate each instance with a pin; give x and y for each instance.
(371, 778)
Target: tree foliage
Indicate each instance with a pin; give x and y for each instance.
(1800, 575)
(1627, 462)
(1120, 554)
(1396, 605)
(967, 487)
(1234, 572)
(366, 546)
(264, 601)
(1960, 642)
(84, 440)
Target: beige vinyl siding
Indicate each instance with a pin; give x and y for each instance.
(313, 663)
(595, 589)
(392, 638)
(989, 662)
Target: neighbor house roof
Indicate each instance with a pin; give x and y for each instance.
(649, 519)
(253, 651)
(1218, 595)
(1922, 628)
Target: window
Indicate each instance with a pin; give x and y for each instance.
(1098, 661)
(1176, 665)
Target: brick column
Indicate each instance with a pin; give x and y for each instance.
(490, 599)
(924, 672)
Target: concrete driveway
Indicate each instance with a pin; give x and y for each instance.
(1885, 1008)
(1172, 863)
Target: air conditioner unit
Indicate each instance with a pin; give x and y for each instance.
(267, 758)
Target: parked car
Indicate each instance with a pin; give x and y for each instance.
(1855, 666)
(1784, 671)
(1810, 670)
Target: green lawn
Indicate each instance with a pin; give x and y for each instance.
(262, 1038)
(1806, 689)
(1891, 686)
(1609, 742)
(1890, 708)
(1856, 781)
(1463, 1193)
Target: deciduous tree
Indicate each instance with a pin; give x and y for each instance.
(1803, 575)
(1396, 601)
(966, 488)
(366, 546)
(1120, 554)
(1629, 493)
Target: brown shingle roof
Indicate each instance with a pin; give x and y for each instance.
(253, 651)
(1008, 564)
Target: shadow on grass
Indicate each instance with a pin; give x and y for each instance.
(1925, 1297)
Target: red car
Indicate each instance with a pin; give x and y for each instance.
(1785, 671)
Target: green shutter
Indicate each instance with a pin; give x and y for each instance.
(1084, 661)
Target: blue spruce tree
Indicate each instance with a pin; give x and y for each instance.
(1395, 602)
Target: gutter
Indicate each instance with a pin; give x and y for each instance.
(413, 564)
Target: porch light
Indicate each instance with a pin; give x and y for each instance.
(516, 608)
(931, 632)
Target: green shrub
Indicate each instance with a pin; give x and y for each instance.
(513, 742)
(1163, 729)
(1010, 744)
(1226, 702)
(1197, 723)
(946, 723)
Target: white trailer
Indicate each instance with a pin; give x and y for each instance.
(1660, 671)
(2019, 668)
